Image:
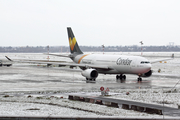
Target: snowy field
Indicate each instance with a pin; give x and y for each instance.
(28, 89)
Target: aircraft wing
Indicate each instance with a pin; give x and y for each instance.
(59, 55)
(71, 64)
(30, 61)
(61, 63)
(160, 60)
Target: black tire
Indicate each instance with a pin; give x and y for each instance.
(117, 77)
(124, 76)
(139, 79)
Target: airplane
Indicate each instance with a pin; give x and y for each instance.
(94, 64)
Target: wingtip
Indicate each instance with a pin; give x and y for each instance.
(8, 58)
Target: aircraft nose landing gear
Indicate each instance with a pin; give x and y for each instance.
(139, 79)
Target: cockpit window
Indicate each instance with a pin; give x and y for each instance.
(145, 62)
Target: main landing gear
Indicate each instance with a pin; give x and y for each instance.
(90, 80)
(121, 77)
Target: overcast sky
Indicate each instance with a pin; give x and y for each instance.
(94, 22)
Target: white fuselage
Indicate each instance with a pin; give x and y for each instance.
(118, 64)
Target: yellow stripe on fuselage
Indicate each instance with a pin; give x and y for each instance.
(82, 58)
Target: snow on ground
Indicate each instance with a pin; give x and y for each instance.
(30, 109)
(52, 104)
(44, 105)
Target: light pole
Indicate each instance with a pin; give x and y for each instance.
(103, 48)
(141, 47)
(48, 52)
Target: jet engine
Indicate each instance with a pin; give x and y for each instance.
(148, 74)
(90, 73)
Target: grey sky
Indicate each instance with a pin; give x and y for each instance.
(94, 22)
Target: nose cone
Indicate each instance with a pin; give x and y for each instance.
(140, 69)
(147, 67)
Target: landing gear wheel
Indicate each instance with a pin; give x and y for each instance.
(121, 77)
(139, 79)
(124, 76)
(117, 77)
(90, 80)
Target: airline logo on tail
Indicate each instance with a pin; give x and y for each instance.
(72, 43)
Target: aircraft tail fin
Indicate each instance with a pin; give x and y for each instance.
(74, 48)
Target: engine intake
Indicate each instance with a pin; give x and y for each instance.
(90, 73)
(148, 74)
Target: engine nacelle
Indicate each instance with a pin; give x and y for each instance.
(148, 74)
(90, 73)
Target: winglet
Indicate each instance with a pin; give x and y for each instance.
(8, 58)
